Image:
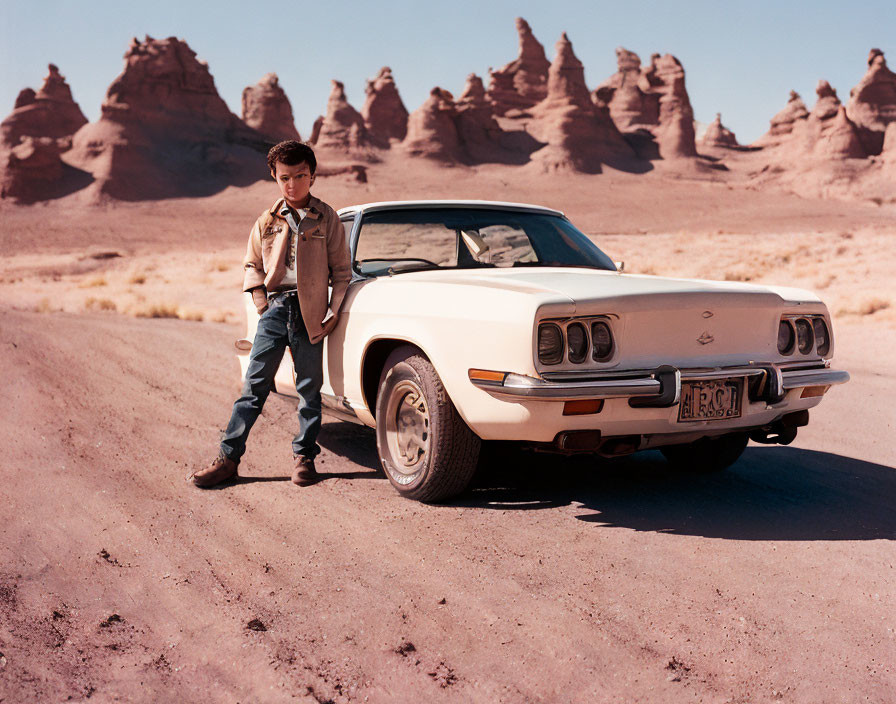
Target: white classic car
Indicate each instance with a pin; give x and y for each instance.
(470, 320)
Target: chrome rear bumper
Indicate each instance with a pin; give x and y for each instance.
(663, 384)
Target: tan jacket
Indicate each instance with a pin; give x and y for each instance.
(322, 259)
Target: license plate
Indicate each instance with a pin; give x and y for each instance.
(710, 400)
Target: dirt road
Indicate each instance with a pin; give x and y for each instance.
(552, 580)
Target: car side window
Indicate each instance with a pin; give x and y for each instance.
(499, 245)
(385, 247)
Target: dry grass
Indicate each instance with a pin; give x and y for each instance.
(94, 282)
(190, 314)
(872, 305)
(167, 310)
(867, 306)
(43, 306)
(100, 304)
(137, 278)
(156, 310)
(738, 275)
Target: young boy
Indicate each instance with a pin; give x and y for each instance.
(295, 249)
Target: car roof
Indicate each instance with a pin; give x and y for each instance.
(426, 204)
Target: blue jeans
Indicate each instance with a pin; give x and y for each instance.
(280, 325)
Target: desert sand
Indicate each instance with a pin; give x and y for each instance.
(551, 580)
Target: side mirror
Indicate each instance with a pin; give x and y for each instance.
(620, 266)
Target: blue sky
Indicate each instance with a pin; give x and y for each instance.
(741, 58)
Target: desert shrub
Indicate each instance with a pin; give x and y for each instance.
(100, 304)
(95, 282)
(156, 310)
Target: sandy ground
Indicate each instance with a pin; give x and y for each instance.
(551, 580)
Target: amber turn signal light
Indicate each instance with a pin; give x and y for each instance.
(583, 407)
(486, 375)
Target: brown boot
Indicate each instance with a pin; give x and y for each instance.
(218, 471)
(305, 474)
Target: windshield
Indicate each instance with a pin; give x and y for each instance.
(391, 242)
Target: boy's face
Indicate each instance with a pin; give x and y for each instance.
(294, 182)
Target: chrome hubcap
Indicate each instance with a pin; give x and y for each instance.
(407, 427)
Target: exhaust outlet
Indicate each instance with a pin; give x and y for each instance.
(782, 431)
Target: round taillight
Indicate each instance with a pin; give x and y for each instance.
(786, 337)
(804, 336)
(550, 344)
(601, 342)
(577, 339)
(822, 336)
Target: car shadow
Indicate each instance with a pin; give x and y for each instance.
(771, 493)
(356, 443)
(323, 477)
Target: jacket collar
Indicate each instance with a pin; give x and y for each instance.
(314, 210)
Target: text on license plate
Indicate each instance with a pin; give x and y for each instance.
(710, 400)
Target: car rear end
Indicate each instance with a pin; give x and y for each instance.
(666, 362)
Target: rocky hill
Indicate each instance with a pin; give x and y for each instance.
(164, 131)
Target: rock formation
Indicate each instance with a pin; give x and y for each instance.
(717, 135)
(385, 115)
(577, 135)
(164, 130)
(631, 106)
(432, 128)
(825, 132)
(675, 131)
(827, 104)
(267, 109)
(783, 122)
(342, 129)
(650, 105)
(481, 137)
(522, 83)
(889, 149)
(872, 103)
(464, 131)
(34, 171)
(840, 140)
(48, 112)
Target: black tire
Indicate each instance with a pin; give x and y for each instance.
(707, 455)
(427, 451)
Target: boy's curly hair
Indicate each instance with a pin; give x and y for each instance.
(291, 153)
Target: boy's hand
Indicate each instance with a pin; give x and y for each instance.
(329, 324)
(260, 299)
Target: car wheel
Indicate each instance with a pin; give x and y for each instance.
(426, 449)
(707, 454)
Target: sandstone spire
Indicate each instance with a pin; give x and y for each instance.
(840, 140)
(872, 103)
(342, 128)
(432, 128)
(384, 113)
(675, 132)
(783, 122)
(523, 82)
(577, 135)
(164, 130)
(267, 109)
(717, 135)
(48, 112)
(630, 106)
